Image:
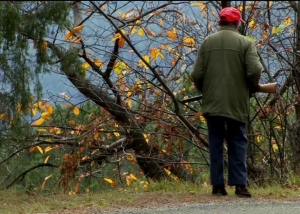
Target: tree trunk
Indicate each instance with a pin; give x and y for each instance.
(296, 73)
(147, 157)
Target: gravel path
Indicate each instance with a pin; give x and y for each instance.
(240, 206)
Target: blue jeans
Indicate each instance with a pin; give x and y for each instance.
(234, 132)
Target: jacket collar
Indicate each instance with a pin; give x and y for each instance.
(229, 27)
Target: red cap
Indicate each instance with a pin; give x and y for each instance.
(231, 14)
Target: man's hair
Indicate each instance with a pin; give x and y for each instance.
(223, 22)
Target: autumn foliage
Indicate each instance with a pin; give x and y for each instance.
(132, 64)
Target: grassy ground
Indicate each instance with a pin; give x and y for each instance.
(12, 201)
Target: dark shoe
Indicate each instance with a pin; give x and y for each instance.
(219, 190)
(242, 191)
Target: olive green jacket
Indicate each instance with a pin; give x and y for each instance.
(226, 70)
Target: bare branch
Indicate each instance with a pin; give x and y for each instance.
(23, 174)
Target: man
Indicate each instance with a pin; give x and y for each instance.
(226, 72)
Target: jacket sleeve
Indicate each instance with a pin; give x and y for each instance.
(253, 67)
(198, 72)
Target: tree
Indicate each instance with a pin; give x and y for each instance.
(296, 75)
(132, 60)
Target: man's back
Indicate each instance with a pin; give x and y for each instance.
(227, 61)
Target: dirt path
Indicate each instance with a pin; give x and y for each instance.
(163, 203)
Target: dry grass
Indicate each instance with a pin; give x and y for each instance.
(12, 202)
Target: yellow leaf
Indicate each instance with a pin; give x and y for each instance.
(133, 30)
(41, 130)
(146, 184)
(142, 64)
(125, 15)
(46, 116)
(128, 180)
(278, 127)
(112, 183)
(38, 104)
(98, 63)
(38, 122)
(141, 32)
(189, 41)
(155, 52)
(71, 33)
(118, 36)
(51, 130)
(131, 158)
(85, 157)
(287, 21)
(40, 149)
(49, 109)
(117, 134)
(259, 138)
(71, 193)
(45, 180)
(172, 34)
(251, 23)
(58, 131)
(273, 30)
(128, 102)
(3, 117)
(202, 119)
(247, 7)
(161, 22)
(146, 137)
(86, 66)
(49, 176)
(133, 176)
(68, 35)
(47, 158)
(76, 111)
(275, 147)
(120, 67)
(167, 171)
(108, 180)
(48, 148)
(270, 3)
(77, 29)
